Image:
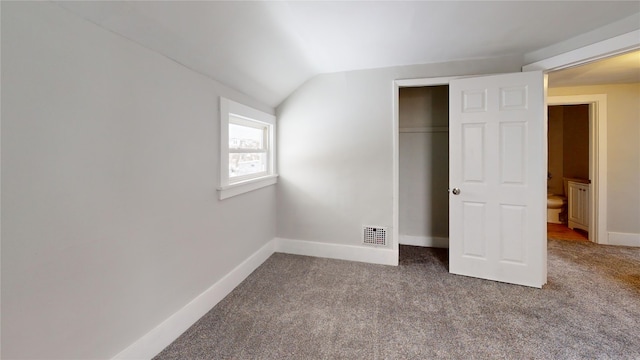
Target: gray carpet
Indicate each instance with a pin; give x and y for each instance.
(297, 307)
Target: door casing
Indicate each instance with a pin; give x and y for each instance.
(596, 51)
(597, 159)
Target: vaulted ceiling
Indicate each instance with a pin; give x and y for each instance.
(267, 49)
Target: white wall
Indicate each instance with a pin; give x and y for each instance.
(424, 165)
(623, 153)
(336, 149)
(110, 216)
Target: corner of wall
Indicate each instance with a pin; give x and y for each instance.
(170, 329)
(372, 255)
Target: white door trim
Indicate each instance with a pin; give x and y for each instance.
(397, 84)
(597, 159)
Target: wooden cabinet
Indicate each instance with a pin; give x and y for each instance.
(578, 203)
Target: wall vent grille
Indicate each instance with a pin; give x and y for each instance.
(374, 235)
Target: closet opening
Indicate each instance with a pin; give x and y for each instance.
(423, 139)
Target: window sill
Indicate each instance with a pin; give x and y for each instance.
(231, 190)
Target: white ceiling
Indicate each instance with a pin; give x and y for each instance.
(267, 49)
(621, 69)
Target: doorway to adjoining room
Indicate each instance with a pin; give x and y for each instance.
(568, 182)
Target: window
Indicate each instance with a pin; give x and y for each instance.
(247, 149)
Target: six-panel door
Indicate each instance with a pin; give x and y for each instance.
(498, 161)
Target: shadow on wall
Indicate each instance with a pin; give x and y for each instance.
(568, 139)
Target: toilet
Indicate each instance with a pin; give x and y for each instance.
(556, 204)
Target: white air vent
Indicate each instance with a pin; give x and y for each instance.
(374, 235)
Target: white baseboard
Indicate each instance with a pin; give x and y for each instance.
(424, 241)
(164, 334)
(374, 255)
(624, 239)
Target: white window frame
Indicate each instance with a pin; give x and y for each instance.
(232, 112)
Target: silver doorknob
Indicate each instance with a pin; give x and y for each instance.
(455, 191)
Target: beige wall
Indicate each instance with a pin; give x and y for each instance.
(555, 153)
(575, 141)
(568, 155)
(623, 158)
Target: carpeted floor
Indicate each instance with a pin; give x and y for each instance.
(297, 307)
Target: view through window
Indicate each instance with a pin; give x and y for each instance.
(248, 147)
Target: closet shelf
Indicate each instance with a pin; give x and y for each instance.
(428, 129)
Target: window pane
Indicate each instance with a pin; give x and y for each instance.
(245, 137)
(247, 163)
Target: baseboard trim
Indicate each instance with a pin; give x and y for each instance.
(374, 255)
(425, 241)
(164, 334)
(170, 329)
(623, 239)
